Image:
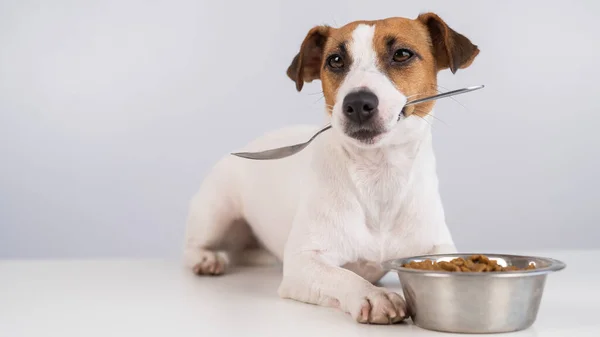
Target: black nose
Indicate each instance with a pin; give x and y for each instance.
(359, 106)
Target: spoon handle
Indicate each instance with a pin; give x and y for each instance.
(445, 94)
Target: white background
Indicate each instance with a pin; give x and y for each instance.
(113, 111)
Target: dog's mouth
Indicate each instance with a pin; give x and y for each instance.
(373, 131)
(365, 135)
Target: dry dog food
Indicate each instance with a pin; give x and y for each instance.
(475, 263)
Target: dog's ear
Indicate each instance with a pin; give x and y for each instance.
(306, 65)
(451, 49)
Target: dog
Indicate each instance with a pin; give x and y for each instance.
(361, 193)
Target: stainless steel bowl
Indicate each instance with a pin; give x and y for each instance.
(470, 302)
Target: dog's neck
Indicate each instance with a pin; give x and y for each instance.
(381, 177)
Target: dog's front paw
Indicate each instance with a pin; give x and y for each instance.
(206, 262)
(379, 307)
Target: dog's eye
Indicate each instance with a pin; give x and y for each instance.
(403, 55)
(335, 62)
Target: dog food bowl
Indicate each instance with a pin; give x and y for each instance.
(474, 302)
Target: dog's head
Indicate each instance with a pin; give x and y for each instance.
(369, 69)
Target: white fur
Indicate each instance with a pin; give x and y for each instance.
(333, 212)
(365, 74)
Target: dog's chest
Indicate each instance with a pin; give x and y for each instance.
(391, 225)
(380, 190)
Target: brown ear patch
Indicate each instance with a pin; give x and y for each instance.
(451, 49)
(306, 65)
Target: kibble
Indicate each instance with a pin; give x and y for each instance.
(474, 263)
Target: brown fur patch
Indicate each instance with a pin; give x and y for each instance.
(306, 65)
(416, 79)
(452, 50)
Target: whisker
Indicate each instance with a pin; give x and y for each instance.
(437, 118)
(455, 100)
(426, 121)
(432, 116)
(315, 93)
(413, 95)
(334, 22)
(320, 98)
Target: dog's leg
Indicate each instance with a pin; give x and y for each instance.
(215, 231)
(218, 248)
(444, 243)
(309, 278)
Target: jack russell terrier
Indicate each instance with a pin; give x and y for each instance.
(362, 193)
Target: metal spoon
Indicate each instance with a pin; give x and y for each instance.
(286, 151)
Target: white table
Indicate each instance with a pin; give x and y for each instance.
(131, 298)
